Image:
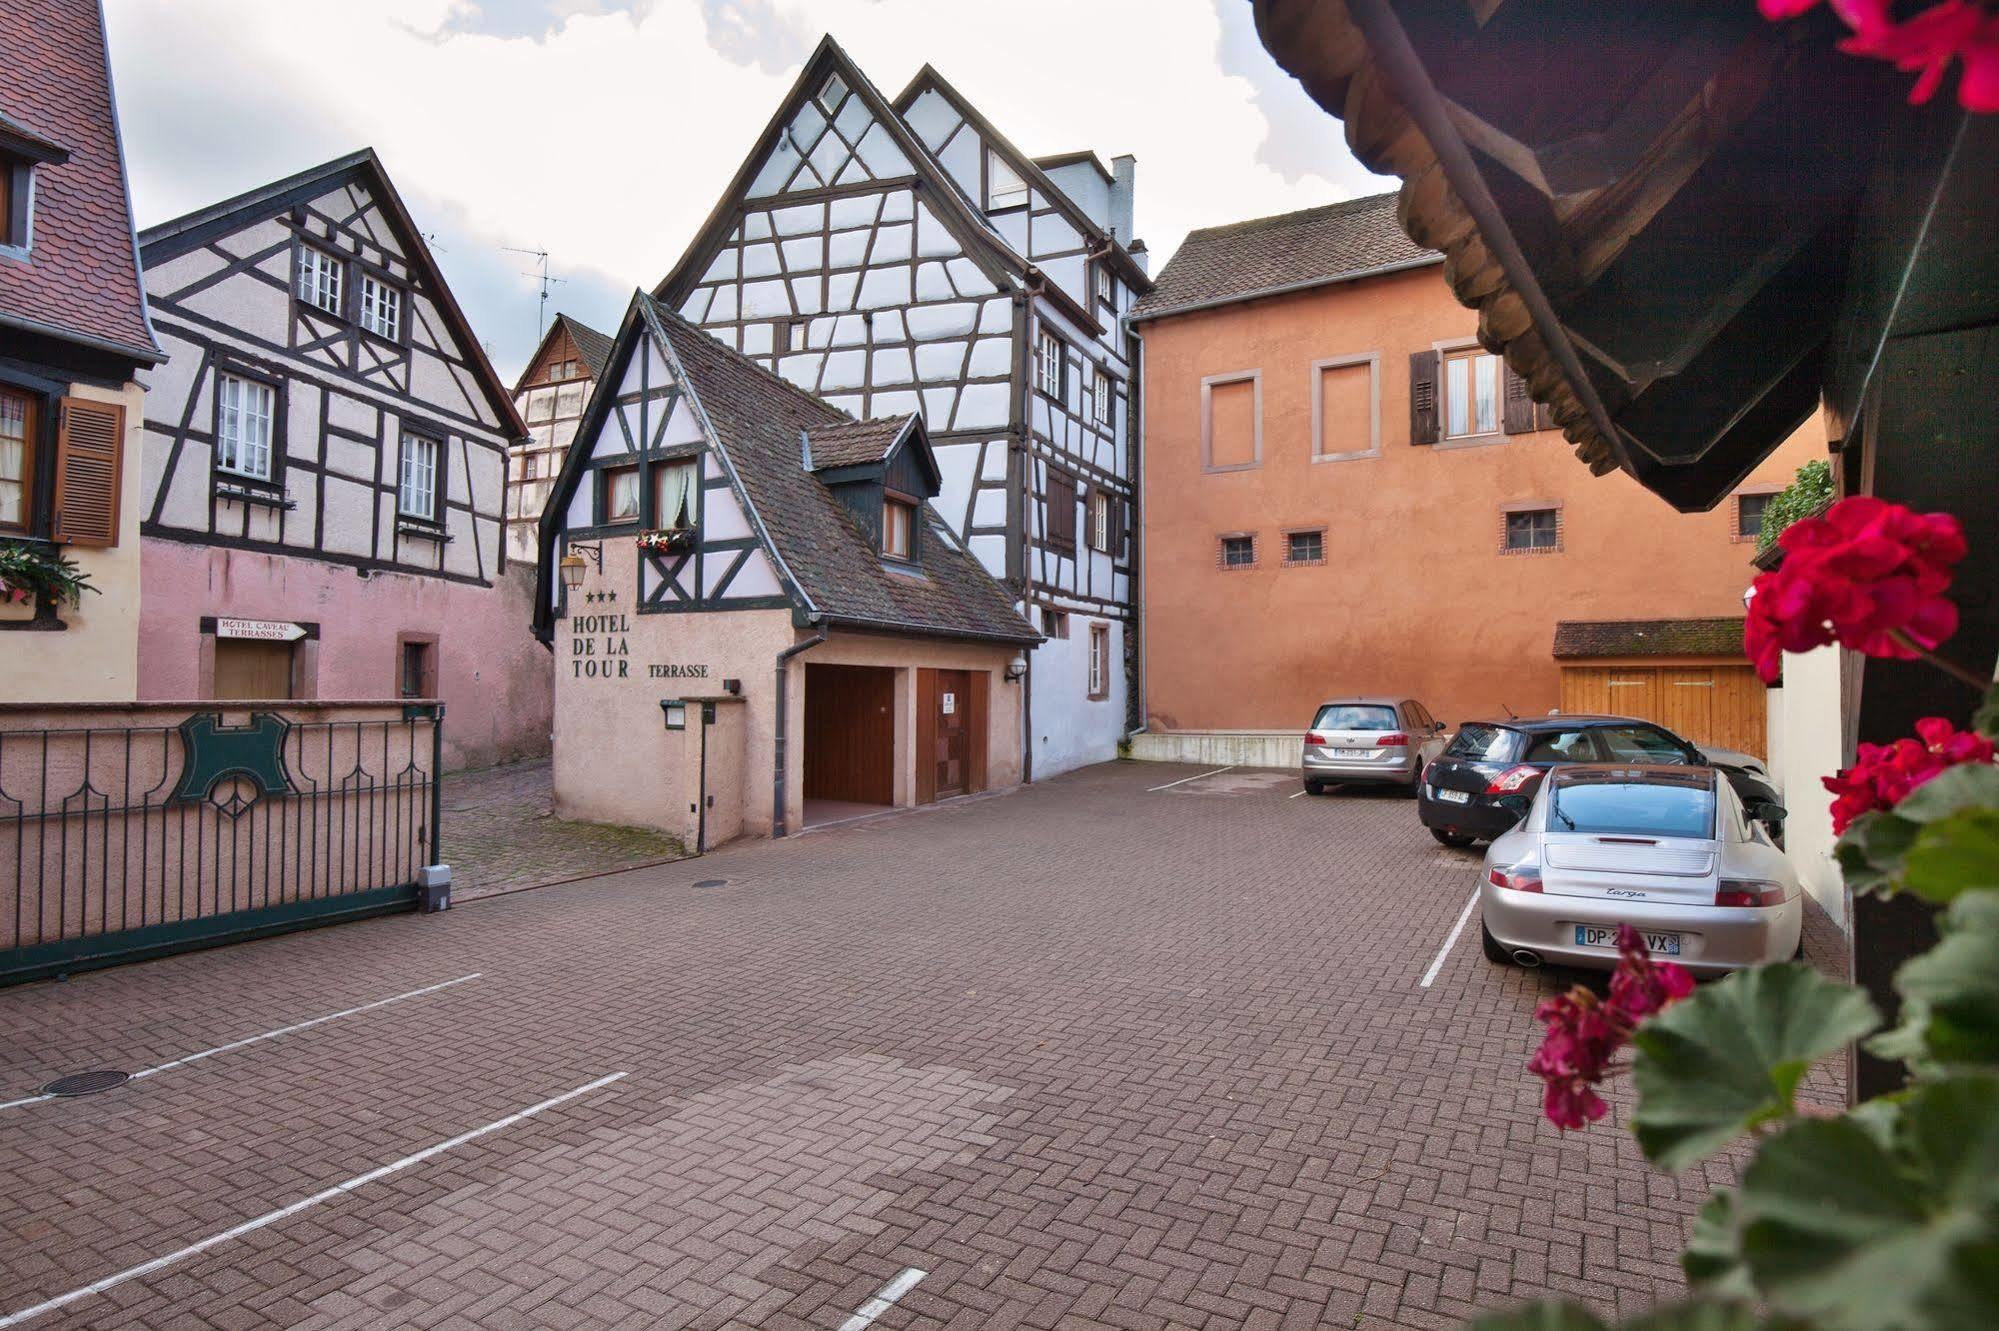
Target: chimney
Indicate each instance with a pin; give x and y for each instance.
(1124, 175)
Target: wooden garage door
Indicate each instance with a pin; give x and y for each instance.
(1721, 705)
(850, 734)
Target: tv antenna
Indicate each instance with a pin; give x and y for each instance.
(541, 272)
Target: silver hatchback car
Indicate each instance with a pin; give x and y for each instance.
(1668, 850)
(1379, 740)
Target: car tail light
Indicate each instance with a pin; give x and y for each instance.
(1517, 878)
(1512, 779)
(1391, 739)
(1315, 738)
(1751, 892)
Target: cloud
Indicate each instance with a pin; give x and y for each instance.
(604, 132)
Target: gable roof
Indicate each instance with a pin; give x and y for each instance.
(594, 347)
(1268, 256)
(1720, 636)
(171, 239)
(855, 443)
(836, 575)
(82, 283)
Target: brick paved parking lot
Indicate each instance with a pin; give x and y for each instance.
(1092, 1054)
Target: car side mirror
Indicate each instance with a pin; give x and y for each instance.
(1439, 727)
(1763, 811)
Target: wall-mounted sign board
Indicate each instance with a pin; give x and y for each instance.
(264, 630)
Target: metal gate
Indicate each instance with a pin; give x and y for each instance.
(131, 831)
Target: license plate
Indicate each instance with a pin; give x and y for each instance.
(1350, 753)
(1597, 935)
(1454, 796)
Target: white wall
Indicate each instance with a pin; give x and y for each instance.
(1805, 746)
(1071, 729)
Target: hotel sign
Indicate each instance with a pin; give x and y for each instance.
(263, 630)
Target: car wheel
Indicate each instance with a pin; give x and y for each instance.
(1455, 840)
(1315, 787)
(1493, 951)
(1416, 782)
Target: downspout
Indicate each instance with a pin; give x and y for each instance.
(1140, 547)
(1019, 477)
(777, 823)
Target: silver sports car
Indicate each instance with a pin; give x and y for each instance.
(1670, 851)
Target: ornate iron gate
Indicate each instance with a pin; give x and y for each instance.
(135, 831)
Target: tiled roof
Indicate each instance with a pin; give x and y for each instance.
(1649, 637)
(855, 443)
(82, 276)
(594, 347)
(757, 418)
(1222, 264)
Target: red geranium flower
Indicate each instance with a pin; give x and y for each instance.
(1584, 1033)
(1882, 774)
(1870, 575)
(1924, 44)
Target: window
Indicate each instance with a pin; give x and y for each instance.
(1100, 660)
(898, 529)
(1483, 744)
(319, 279)
(416, 497)
(788, 335)
(17, 458)
(1534, 529)
(1369, 717)
(530, 465)
(1055, 623)
(1305, 547)
(831, 92)
(1471, 393)
(1004, 187)
(563, 369)
(1060, 527)
(1238, 551)
(1102, 286)
(381, 308)
(1560, 746)
(243, 412)
(1100, 397)
(1346, 407)
(1749, 511)
(415, 673)
(673, 495)
(1100, 521)
(1639, 744)
(17, 195)
(1051, 365)
(1232, 421)
(1663, 805)
(621, 494)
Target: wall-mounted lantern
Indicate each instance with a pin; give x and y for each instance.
(1016, 669)
(571, 564)
(675, 712)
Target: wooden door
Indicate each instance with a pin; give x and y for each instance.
(950, 733)
(1720, 705)
(952, 750)
(850, 734)
(249, 670)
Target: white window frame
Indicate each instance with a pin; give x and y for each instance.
(417, 475)
(1104, 291)
(831, 93)
(381, 307)
(322, 279)
(1100, 521)
(1051, 353)
(1469, 351)
(1101, 411)
(242, 402)
(1002, 198)
(1100, 664)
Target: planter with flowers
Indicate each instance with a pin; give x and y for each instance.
(34, 578)
(1886, 1217)
(665, 540)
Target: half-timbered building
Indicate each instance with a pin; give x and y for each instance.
(905, 256)
(550, 397)
(73, 339)
(761, 619)
(325, 468)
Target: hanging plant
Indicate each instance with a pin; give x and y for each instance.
(27, 575)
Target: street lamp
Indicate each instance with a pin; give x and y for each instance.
(571, 564)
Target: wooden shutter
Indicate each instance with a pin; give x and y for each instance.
(1061, 508)
(1090, 516)
(90, 452)
(1544, 416)
(1423, 371)
(1516, 414)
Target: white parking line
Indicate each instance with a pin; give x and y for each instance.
(268, 1035)
(1196, 777)
(881, 1302)
(1295, 796)
(1450, 942)
(324, 1195)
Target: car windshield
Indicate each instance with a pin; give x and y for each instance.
(1639, 744)
(1481, 743)
(1355, 716)
(1622, 807)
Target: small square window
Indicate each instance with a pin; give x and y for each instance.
(1054, 623)
(1749, 510)
(319, 279)
(381, 308)
(831, 93)
(1533, 529)
(1238, 551)
(1305, 547)
(1004, 187)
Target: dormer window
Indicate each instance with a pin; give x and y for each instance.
(1100, 281)
(898, 528)
(1004, 187)
(16, 191)
(319, 279)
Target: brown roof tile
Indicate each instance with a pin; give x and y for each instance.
(1222, 264)
(1649, 637)
(855, 443)
(81, 277)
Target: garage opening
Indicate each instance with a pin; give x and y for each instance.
(849, 742)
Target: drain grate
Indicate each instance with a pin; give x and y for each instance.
(86, 1083)
(713, 882)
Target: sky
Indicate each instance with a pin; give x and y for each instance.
(603, 131)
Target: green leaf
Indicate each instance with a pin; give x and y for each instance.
(1713, 1259)
(1540, 1317)
(1965, 786)
(1986, 719)
(1953, 855)
(1950, 994)
(1700, 1315)
(1730, 1057)
(1871, 850)
(1858, 1236)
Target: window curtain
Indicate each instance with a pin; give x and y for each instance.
(674, 509)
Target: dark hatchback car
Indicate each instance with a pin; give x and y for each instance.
(1464, 795)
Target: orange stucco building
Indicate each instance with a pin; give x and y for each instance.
(1309, 531)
